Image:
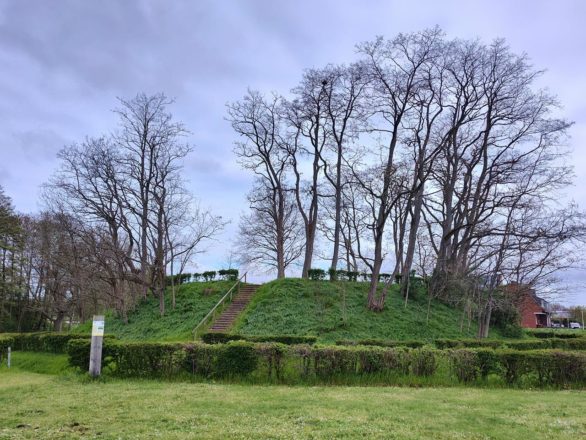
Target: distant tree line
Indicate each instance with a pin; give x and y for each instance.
(435, 155)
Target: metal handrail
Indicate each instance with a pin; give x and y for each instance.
(222, 300)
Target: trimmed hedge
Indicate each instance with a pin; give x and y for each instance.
(382, 343)
(222, 338)
(334, 364)
(131, 359)
(444, 344)
(45, 341)
(554, 333)
(5, 342)
(467, 343)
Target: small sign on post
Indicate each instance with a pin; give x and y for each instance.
(96, 346)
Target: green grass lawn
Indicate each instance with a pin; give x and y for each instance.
(334, 311)
(146, 323)
(38, 406)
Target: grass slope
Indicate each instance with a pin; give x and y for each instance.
(334, 311)
(146, 323)
(41, 406)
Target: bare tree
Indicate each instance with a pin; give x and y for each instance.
(127, 190)
(258, 121)
(395, 68)
(307, 117)
(260, 242)
(343, 90)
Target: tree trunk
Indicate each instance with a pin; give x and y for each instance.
(337, 220)
(374, 302)
(413, 228)
(309, 241)
(280, 235)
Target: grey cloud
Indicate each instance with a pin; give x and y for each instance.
(63, 62)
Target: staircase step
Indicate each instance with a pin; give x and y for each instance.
(238, 304)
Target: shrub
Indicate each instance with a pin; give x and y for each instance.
(549, 367)
(568, 344)
(283, 339)
(147, 359)
(5, 342)
(535, 344)
(303, 353)
(200, 359)
(397, 359)
(566, 368)
(45, 341)
(131, 359)
(382, 343)
(551, 333)
(221, 338)
(423, 361)
(465, 365)
(488, 362)
(467, 343)
(352, 275)
(209, 275)
(272, 354)
(514, 363)
(268, 360)
(329, 361)
(228, 274)
(333, 273)
(78, 352)
(236, 358)
(316, 274)
(180, 278)
(384, 277)
(371, 360)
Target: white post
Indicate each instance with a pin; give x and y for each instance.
(96, 346)
(8, 358)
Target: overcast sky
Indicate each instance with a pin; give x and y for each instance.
(63, 63)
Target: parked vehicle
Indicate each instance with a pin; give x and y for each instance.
(575, 325)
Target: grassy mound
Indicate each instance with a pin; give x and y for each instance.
(193, 302)
(334, 311)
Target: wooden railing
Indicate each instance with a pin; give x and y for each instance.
(227, 297)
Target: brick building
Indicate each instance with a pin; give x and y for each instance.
(535, 311)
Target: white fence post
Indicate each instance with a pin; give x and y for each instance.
(96, 346)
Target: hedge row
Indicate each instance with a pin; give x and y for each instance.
(210, 275)
(5, 342)
(41, 341)
(521, 344)
(222, 338)
(442, 344)
(299, 363)
(382, 343)
(317, 274)
(555, 333)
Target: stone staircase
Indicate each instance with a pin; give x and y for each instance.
(238, 304)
